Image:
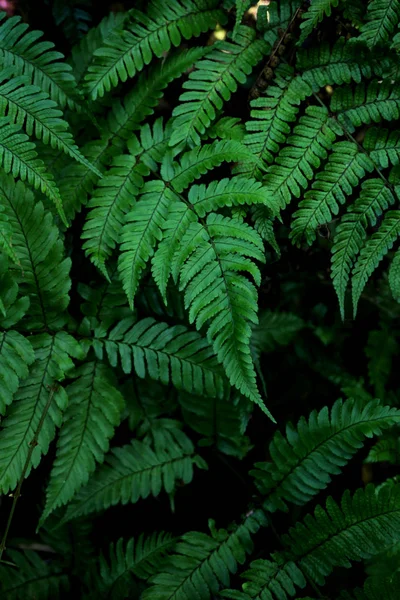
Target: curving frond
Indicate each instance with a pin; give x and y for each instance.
(382, 18)
(375, 197)
(16, 354)
(38, 61)
(383, 146)
(137, 471)
(204, 562)
(41, 270)
(343, 171)
(372, 103)
(31, 404)
(93, 411)
(212, 83)
(375, 248)
(394, 276)
(316, 11)
(146, 35)
(324, 443)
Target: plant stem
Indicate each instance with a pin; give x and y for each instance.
(32, 446)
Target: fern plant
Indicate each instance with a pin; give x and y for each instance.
(172, 354)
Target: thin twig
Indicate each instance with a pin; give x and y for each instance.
(32, 446)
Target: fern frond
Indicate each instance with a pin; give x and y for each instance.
(344, 169)
(303, 153)
(323, 444)
(376, 247)
(385, 450)
(126, 52)
(93, 412)
(32, 577)
(378, 101)
(13, 306)
(241, 7)
(212, 83)
(16, 354)
(263, 224)
(270, 117)
(117, 191)
(227, 128)
(19, 426)
(375, 197)
(275, 329)
(32, 109)
(21, 50)
(204, 562)
(167, 354)
(18, 157)
(394, 276)
(42, 271)
(136, 471)
(382, 18)
(383, 146)
(275, 16)
(115, 575)
(314, 15)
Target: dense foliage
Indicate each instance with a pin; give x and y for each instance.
(199, 300)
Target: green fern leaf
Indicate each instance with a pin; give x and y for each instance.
(126, 52)
(18, 157)
(344, 169)
(140, 232)
(42, 271)
(270, 118)
(385, 450)
(92, 414)
(373, 252)
(227, 128)
(16, 354)
(136, 471)
(12, 306)
(383, 146)
(275, 329)
(166, 354)
(203, 562)
(115, 575)
(350, 235)
(394, 276)
(241, 7)
(23, 416)
(382, 18)
(314, 15)
(326, 442)
(212, 83)
(275, 16)
(379, 100)
(34, 577)
(20, 50)
(29, 107)
(295, 164)
(263, 224)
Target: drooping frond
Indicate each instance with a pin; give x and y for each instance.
(378, 101)
(324, 443)
(20, 50)
(18, 157)
(203, 562)
(303, 153)
(316, 11)
(94, 407)
(344, 169)
(207, 265)
(212, 83)
(375, 197)
(223, 422)
(16, 354)
(32, 577)
(116, 574)
(32, 109)
(382, 18)
(394, 276)
(52, 361)
(167, 354)
(127, 51)
(41, 270)
(117, 191)
(383, 146)
(137, 471)
(375, 248)
(270, 117)
(140, 232)
(263, 224)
